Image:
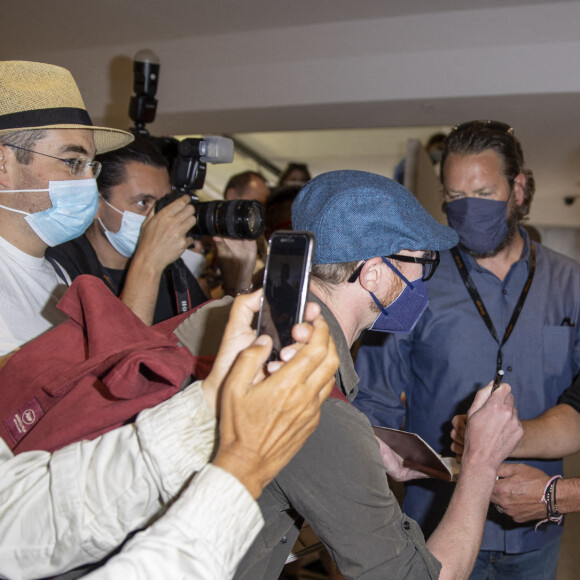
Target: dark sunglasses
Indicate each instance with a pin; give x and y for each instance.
(492, 125)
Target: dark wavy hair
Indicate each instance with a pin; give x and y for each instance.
(113, 173)
(293, 166)
(479, 136)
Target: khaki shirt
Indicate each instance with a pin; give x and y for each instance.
(337, 483)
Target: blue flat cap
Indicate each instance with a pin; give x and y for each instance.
(357, 215)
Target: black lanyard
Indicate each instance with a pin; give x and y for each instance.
(481, 307)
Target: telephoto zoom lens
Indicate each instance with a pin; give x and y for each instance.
(238, 219)
(241, 219)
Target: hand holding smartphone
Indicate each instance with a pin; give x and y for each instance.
(285, 289)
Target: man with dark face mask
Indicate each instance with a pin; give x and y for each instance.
(498, 302)
(376, 249)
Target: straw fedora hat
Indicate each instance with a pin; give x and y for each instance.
(43, 96)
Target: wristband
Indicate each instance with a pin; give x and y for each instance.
(549, 498)
(233, 292)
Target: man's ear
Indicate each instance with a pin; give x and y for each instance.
(519, 188)
(4, 167)
(10, 168)
(372, 275)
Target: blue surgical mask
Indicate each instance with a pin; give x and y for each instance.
(74, 205)
(481, 223)
(125, 240)
(402, 315)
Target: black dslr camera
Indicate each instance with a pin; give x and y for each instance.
(240, 219)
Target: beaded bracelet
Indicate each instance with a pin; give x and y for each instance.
(549, 498)
(555, 511)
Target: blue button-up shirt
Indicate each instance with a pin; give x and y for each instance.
(451, 354)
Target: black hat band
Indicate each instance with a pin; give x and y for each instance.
(45, 117)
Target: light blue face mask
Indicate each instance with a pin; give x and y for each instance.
(74, 206)
(125, 240)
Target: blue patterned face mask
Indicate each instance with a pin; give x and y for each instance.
(125, 240)
(402, 315)
(481, 223)
(74, 206)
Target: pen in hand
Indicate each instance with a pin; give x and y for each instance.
(497, 380)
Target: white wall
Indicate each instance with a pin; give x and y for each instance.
(516, 63)
(509, 51)
(562, 239)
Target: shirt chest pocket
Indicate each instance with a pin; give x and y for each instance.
(557, 350)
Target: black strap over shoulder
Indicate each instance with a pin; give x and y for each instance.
(78, 257)
(476, 298)
(57, 269)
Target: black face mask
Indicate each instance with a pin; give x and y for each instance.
(480, 223)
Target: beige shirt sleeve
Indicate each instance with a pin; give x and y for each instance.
(73, 507)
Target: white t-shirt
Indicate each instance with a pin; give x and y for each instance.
(29, 291)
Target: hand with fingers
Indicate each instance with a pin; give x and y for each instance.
(265, 418)
(163, 236)
(518, 491)
(459, 422)
(239, 334)
(493, 428)
(393, 463)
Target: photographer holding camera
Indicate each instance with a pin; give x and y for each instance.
(129, 246)
(147, 219)
(136, 250)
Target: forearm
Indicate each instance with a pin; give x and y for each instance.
(237, 277)
(82, 501)
(177, 438)
(554, 434)
(568, 495)
(57, 513)
(457, 539)
(237, 265)
(492, 432)
(204, 534)
(142, 287)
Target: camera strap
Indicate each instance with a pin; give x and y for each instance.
(57, 269)
(180, 287)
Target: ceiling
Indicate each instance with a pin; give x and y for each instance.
(376, 150)
(327, 136)
(132, 22)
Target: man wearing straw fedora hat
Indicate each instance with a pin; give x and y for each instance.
(48, 191)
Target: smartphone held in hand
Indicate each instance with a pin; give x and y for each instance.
(286, 278)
